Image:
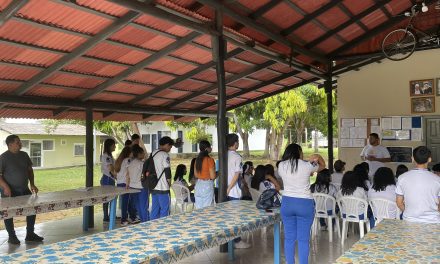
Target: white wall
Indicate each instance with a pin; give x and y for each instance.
(3, 136)
(383, 90)
(256, 139)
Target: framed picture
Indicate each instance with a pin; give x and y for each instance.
(423, 105)
(437, 86)
(421, 87)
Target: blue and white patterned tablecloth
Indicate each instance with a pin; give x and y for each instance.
(396, 241)
(163, 240)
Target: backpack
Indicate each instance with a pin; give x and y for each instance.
(268, 199)
(149, 177)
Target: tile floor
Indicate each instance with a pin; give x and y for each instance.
(261, 252)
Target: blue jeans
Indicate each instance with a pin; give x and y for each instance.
(204, 193)
(141, 202)
(106, 180)
(161, 205)
(127, 206)
(297, 215)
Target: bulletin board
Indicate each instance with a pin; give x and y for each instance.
(402, 128)
(353, 132)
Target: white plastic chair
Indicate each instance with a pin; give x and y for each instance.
(181, 193)
(321, 211)
(350, 205)
(383, 209)
(255, 194)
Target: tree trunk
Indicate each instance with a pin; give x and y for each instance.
(316, 140)
(245, 137)
(267, 144)
(273, 151)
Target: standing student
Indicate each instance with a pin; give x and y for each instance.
(134, 175)
(298, 206)
(418, 190)
(235, 168)
(16, 176)
(121, 166)
(205, 174)
(375, 154)
(108, 171)
(161, 193)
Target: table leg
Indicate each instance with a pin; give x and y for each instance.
(276, 243)
(231, 255)
(85, 219)
(112, 214)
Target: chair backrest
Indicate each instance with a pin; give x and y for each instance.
(384, 209)
(181, 193)
(323, 204)
(255, 194)
(352, 207)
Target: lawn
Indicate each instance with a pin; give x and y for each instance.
(70, 178)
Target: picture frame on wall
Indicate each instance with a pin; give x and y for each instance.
(421, 87)
(437, 86)
(421, 105)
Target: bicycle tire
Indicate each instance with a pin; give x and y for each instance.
(399, 44)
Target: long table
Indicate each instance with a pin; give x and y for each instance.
(164, 240)
(396, 241)
(54, 201)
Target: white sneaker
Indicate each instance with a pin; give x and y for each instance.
(135, 221)
(124, 223)
(241, 245)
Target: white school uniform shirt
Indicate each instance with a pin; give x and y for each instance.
(297, 183)
(135, 173)
(337, 178)
(106, 161)
(122, 174)
(266, 185)
(161, 162)
(359, 192)
(420, 189)
(388, 194)
(235, 165)
(378, 151)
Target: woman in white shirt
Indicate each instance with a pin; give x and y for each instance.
(298, 206)
(384, 187)
(134, 175)
(108, 171)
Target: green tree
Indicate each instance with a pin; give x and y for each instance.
(196, 130)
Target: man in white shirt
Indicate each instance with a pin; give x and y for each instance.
(375, 154)
(418, 190)
(161, 193)
(235, 167)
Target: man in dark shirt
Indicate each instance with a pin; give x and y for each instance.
(15, 174)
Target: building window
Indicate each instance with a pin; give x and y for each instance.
(48, 145)
(146, 138)
(194, 147)
(25, 144)
(63, 142)
(79, 149)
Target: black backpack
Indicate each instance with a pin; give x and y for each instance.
(269, 199)
(149, 177)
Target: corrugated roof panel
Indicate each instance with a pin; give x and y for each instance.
(190, 85)
(235, 101)
(308, 32)
(191, 53)
(155, 102)
(117, 53)
(29, 34)
(229, 91)
(281, 68)
(187, 119)
(160, 118)
(171, 66)
(172, 94)
(251, 95)
(142, 38)
(356, 6)
(244, 83)
(398, 6)
(264, 75)
(351, 32)
(280, 48)
(65, 79)
(203, 99)
(104, 6)
(374, 19)
(146, 76)
(304, 75)
(10, 53)
(25, 113)
(288, 81)
(162, 25)
(252, 4)
(190, 105)
(181, 9)
(123, 117)
(211, 108)
(310, 6)
(269, 88)
(207, 11)
(204, 40)
(8, 87)
(130, 88)
(333, 18)
(282, 16)
(330, 44)
(63, 16)
(11, 72)
(208, 75)
(252, 57)
(45, 91)
(4, 4)
(83, 65)
(112, 97)
(235, 67)
(253, 34)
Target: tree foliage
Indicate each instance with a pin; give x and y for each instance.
(196, 130)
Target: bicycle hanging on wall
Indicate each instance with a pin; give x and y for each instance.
(401, 43)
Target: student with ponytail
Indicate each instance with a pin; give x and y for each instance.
(205, 174)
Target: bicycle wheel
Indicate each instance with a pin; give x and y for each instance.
(399, 44)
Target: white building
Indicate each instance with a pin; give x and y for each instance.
(152, 132)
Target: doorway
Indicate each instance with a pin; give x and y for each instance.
(432, 128)
(35, 153)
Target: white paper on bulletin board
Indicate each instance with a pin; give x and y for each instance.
(416, 134)
(396, 122)
(388, 134)
(374, 121)
(358, 132)
(403, 134)
(347, 122)
(375, 129)
(345, 132)
(358, 143)
(386, 123)
(360, 122)
(345, 143)
(406, 122)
